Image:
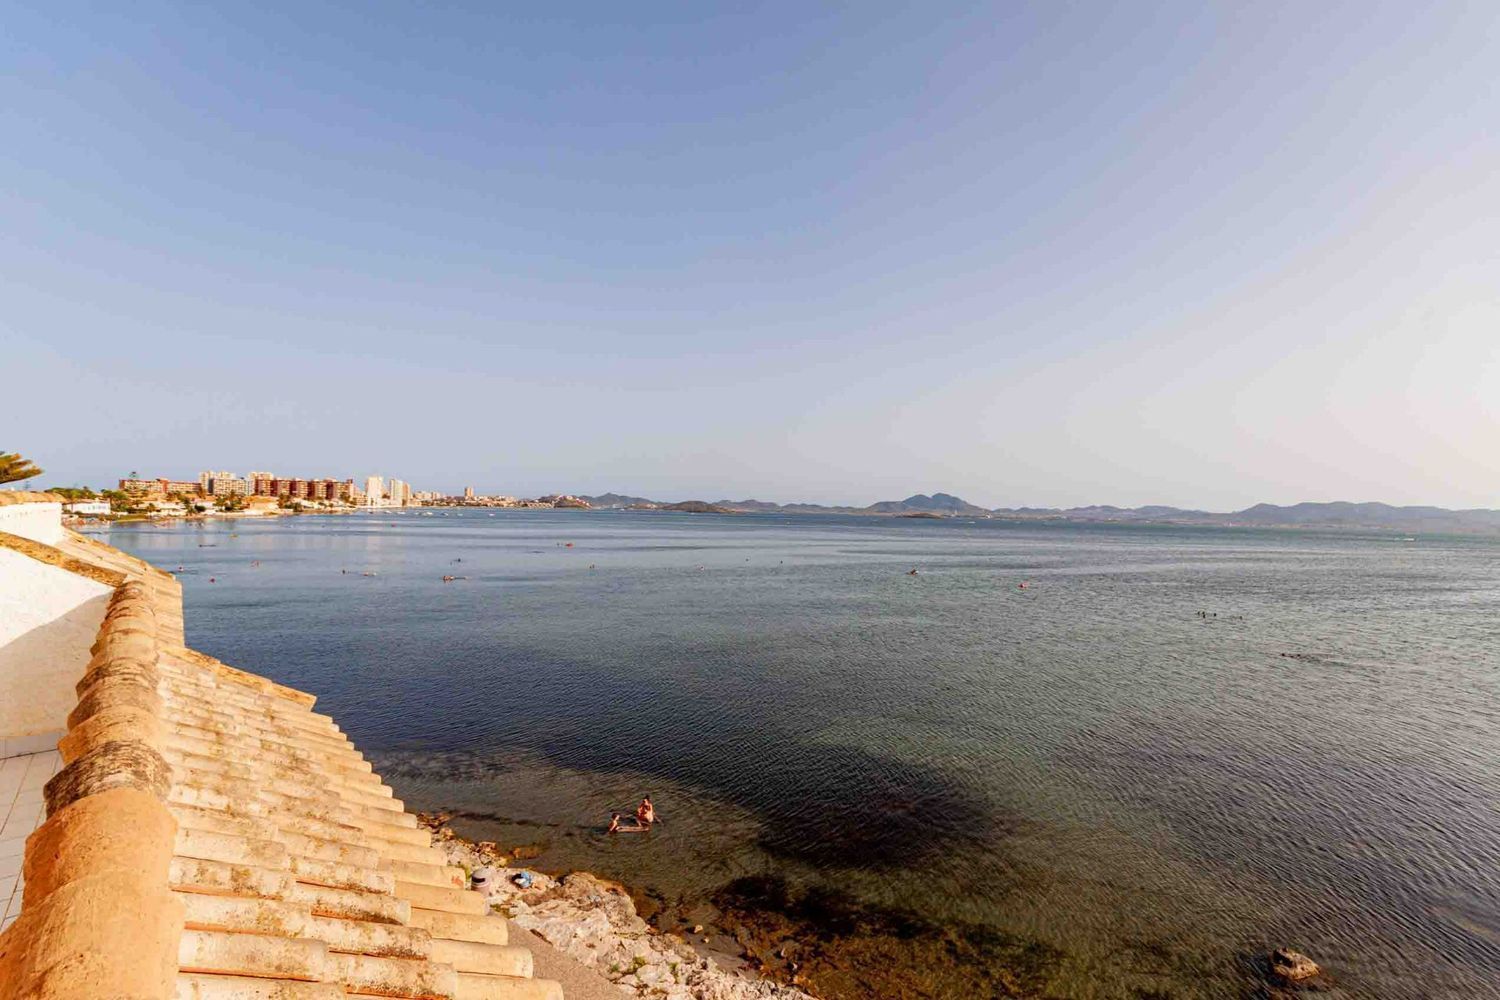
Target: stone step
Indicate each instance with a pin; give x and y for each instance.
(209, 697)
(432, 897)
(337, 876)
(350, 904)
(393, 977)
(219, 745)
(405, 833)
(344, 755)
(222, 791)
(244, 915)
(216, 878)
(229, 848)
(473, 986)
(364, 937)
(311, 826)
(201, 986)
(448, 876)
(490, 959)
(372, 797)
(236, 718)
(487, 929)
(210, 709)
(398, 851)
(257, 760)
(328, 850)
(225, 953)
(214, 821)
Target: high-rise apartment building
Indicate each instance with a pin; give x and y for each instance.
(204, 478)
(374, 490)
(170, 487)
(400, 493)
(226, 484)
(468, 493)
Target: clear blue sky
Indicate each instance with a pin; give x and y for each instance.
(1045, 253)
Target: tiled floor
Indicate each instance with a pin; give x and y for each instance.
(21, 811)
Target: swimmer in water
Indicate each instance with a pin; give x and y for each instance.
(645, 813)
(615, 827)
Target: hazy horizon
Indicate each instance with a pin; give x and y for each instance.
(1031, 255)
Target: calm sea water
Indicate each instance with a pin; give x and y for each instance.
(1088, 761)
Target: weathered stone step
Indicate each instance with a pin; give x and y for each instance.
(393, 977)
(489, 959)
(350, 904)
(229, 848)
(311, 826)
(215, 821)
(364, 937)
(448, 876)
(219, 879)
(338, 851)
(217, 703)
(245, 915)
(405, 833)
(473, 986)
(220, 711)
(201, 986)
(224, 953)
(419, 853)
(337, 876)
(345, 755)
(486, 929)
(432, 897)
(209, 693)
(219, 745)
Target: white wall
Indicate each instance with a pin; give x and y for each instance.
(48, 619)
(40, 522)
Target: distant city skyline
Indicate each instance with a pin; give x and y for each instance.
(1029, 254)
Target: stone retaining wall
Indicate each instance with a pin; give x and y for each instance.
(211, 837)
(98, 918)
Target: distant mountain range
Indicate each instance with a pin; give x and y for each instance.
(1360, 516)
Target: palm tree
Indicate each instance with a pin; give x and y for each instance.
(14, 468)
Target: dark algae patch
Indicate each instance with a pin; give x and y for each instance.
(842, 949)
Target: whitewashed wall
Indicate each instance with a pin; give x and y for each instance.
(48, 619)
(40, 522)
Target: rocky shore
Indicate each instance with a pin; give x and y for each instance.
(766, 940)
(595, 922)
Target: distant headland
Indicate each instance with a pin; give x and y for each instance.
(1339, 514)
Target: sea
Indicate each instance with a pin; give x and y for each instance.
(1143, 755)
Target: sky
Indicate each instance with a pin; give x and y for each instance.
(1040, 254)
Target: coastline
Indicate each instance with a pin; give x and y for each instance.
(594, 922)
(756, 938)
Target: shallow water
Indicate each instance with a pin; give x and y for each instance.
(1087, 762)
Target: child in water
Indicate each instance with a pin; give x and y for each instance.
(615, 827)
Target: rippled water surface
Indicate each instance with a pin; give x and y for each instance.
(1086, 762)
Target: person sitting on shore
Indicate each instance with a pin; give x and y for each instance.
(645, 813)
